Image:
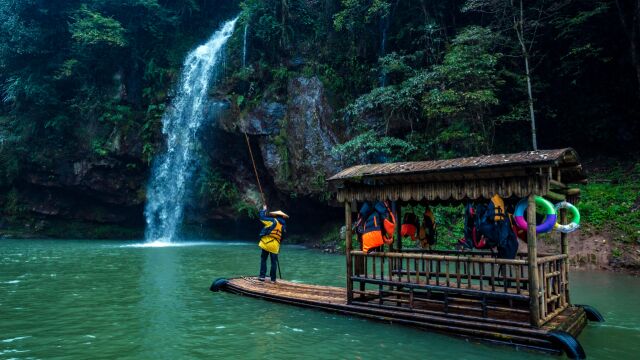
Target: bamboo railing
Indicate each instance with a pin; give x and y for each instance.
(469, 285)
(553, 286)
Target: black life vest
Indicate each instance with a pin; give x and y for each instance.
(428, 227)
(487, 227)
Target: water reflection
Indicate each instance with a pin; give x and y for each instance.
(164, 309)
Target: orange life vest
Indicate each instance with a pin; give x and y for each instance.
(375, 230)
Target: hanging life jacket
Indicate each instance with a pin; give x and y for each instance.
(389, 222)
(469, 239)
(427, 233)
(409, 226)
(520, 233)
(376, 225)
(488, 226)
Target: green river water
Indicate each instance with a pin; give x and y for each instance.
(113, 299)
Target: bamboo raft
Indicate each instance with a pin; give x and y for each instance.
(334, 299)
(523, 301)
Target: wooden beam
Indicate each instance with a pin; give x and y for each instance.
(573, 192)
(533, 262)
(428, 256)
(556, 184)
(555, 196)
(347, 220)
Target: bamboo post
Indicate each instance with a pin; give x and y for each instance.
(347, 218)
(398, 216)
(565, 251)
(397, 213)
(362, 260)
(362, 263)
(533, 262)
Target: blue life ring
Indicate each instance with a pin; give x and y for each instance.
(549, 221)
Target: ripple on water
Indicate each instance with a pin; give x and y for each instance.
(164, 244)
(10, 340)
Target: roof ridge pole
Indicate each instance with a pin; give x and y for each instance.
(347, 218)
(532, 255)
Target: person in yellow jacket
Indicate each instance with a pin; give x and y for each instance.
(270, 237)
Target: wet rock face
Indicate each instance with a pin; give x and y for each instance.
(299, 156)
(272, 158)
(291, 142)
(264, 120)
(102, 190)
(309, 133)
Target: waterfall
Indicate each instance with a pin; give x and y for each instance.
(172, 171)
(244, 46)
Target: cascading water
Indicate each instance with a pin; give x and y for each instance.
(244, 46)
(172, 171)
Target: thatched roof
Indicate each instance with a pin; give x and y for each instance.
(463, 178)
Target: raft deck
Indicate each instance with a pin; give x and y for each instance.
(500, 329)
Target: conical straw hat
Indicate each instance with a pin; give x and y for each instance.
(279, 213)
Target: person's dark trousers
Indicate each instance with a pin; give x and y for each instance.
(263, 264)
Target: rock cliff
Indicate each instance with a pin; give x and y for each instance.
(291, 138)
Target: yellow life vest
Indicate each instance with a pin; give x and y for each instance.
(271, 241)
(498, 205)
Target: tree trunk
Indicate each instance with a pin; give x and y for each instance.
(534, 137)
(518, 25)
(635, 27)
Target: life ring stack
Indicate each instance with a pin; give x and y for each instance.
(551, 216)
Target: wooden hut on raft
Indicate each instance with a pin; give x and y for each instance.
(523, 301)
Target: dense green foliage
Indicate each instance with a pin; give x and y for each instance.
(448, 78)
(611, 202)
(89, 80)
(407, 80)
(79, 77)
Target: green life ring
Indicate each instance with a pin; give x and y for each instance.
(550, 215)
(575, 222)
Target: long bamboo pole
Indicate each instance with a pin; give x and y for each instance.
(255, 170)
